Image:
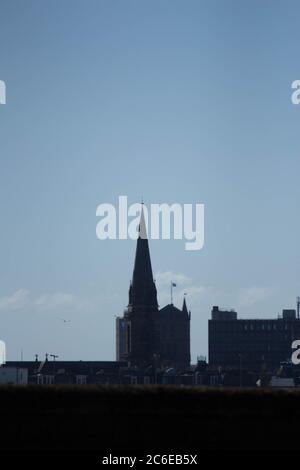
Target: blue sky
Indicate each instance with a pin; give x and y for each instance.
(178, 101)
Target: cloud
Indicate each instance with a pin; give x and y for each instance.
(52, 301)
(202, 298)
(252, 295)
(184, 285)
(16, 301)
(23, 301)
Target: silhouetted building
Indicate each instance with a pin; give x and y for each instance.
(67, 372)
(13, 375)
(146, 335)
(250, 344)
(48, 373)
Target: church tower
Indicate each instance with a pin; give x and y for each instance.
(146, 335)
(136, 329)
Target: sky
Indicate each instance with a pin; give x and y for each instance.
(173, 101)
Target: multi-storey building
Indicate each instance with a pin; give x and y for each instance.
(252, 344)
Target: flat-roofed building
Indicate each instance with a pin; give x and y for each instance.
(251, 344)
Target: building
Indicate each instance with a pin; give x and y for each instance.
(84, 373)
(13, 375)
(248, 344)
(146, 335)
(66, 372)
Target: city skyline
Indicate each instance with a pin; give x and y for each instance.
(175, 103)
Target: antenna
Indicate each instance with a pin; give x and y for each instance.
(298, 308)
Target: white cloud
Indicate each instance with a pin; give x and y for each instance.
(164, 278)
(184, 285)
(16, 301)
(202, 298)
(249, 296)
(23, 301)
(199, 298)
(49, 301)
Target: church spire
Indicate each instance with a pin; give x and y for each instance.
(142, 292)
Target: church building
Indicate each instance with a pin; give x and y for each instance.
(146, 335)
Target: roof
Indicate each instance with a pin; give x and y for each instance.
(70, 367)
(170, 309)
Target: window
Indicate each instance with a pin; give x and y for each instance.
(48, 379)
(81, 379)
